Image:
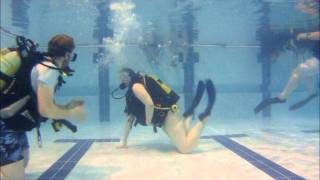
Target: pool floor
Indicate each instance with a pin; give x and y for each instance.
(228, 149)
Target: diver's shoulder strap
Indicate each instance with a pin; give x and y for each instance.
(10, 83)
(5, 77)
(48, 66)
(67, 71)
(144, 81)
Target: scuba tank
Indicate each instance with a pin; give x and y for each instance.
(10, 63)
(11, 60)
(4, 51)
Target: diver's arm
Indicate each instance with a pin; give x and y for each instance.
(311, 36)
(71, 104)
(127, 128)
(142, 94)
(12, 109)
(48, 109)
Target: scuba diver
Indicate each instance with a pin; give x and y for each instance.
(310, 7)
(149, 102)
(28, 81)
(306, 70)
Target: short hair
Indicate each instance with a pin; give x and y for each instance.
(130, 71)
(60, 44)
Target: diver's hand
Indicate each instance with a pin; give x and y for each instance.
(302, 36)
(74, 102)
(78, 113)
(122, 145)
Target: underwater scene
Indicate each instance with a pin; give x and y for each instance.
(159, 89)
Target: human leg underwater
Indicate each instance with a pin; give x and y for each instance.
(307, 69)
(186, 141)
(187, 115)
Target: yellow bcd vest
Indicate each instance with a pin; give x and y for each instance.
(9, 64)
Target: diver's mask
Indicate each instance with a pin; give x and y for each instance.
(67, 71)
(74, 57)
(122, 86)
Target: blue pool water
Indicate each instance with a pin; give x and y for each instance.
(154, 37)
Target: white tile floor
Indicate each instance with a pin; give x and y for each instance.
(152, 156)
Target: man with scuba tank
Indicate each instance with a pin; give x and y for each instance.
(28, 82)
(150, 102)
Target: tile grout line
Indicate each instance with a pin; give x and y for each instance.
(282, 171)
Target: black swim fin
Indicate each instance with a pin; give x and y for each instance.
(267, 102)
(302, 102)
(196, 99)
(211, 91)
(57, 124)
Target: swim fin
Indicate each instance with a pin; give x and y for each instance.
(196, 99)
(267, 102)
(303, 102)
(211, 91)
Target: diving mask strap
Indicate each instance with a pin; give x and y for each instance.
(10, 81)
(51, 67)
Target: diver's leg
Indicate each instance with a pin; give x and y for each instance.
(186, 123)
(292, 83)
(176, 132)
(187, 115)
(11, 147)
(13, 171)
(183, 141)
(194, 134)
(25, 154)
(25, 148)
(281, 98)
(175, 129)
(308, 76)
(309, 68)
